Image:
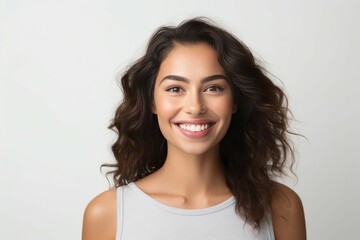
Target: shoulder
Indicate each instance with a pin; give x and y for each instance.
(287, 213)
(100, 214)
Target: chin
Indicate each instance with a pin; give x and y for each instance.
(197, 150)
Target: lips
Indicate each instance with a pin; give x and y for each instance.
(195, 130)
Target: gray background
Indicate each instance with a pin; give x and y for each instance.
(58, 61)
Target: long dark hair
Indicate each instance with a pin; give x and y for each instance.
(256, 146)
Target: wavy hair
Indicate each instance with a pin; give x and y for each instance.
(256, 146)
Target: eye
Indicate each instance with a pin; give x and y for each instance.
(174, 89)
(214, 88)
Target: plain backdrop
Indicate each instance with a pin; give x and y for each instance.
(58, 93)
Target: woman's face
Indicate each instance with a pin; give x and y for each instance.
(192, 99)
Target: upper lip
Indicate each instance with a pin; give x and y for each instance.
(194, 121)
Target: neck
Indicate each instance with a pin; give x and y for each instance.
(192, 175)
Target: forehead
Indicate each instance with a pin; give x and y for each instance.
(196, 60)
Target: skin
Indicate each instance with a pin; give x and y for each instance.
(188, 98)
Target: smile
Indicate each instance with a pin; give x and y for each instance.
(197, 130)
(194, 127)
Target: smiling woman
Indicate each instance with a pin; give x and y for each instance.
(202, 131)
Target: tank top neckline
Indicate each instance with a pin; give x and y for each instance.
(231, 200)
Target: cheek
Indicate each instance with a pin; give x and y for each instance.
(224, 106)
(165, 106)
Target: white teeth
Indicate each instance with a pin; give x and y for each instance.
(194, 128)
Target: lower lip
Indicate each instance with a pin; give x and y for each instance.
(198, 134)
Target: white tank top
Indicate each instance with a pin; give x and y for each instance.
(141, 217)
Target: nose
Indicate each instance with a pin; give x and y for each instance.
(194, 104)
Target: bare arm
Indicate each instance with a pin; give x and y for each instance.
(100, 217)
(287, 214)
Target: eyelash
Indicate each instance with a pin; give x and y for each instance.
(218, 88)
(171, 89)
(179, 89)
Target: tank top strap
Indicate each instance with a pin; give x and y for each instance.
(119, 212)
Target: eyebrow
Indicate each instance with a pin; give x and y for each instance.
(204, 80)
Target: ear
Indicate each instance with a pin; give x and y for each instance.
(234, 108)
(153, 108)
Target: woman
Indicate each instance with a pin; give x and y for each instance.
(202, 133)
